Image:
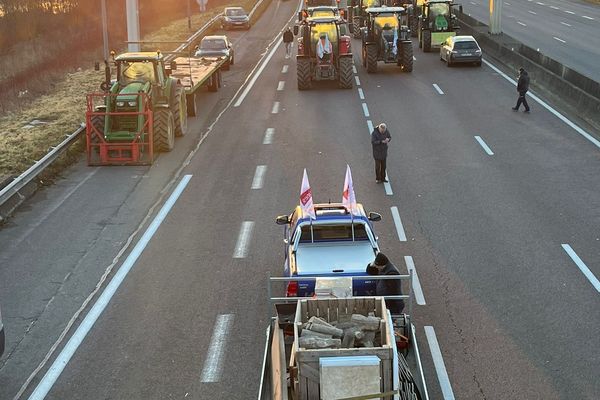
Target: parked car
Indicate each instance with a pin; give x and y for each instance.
(337, 243)
(2, 339)
(216, 46)
(235, 17)
(460, 49)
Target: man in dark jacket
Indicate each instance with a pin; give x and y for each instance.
(522, 88)
(391, 287)
(380, 137)
(288, 38)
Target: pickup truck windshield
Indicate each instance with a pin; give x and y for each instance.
(329, 233)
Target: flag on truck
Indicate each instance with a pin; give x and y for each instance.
(348, 196)
(306, 200)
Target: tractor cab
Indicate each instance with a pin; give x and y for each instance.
(386, 38)
(437, 23)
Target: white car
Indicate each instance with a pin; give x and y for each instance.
(460, 49)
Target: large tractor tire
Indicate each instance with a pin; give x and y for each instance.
(356, 28)
(303, 72)
(345, 78)
(371, 58)
(164, 131)
(413, 25)
(405, 57)
(179, 108)
(426, 36)
(98, 123)
(192, 108)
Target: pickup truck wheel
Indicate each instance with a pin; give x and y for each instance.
(179, 108)
(164, 131)
(190, 102)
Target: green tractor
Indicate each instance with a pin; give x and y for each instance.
(414, 8)
(437, 23)
(143, 90)
(385, 38)
(324, 52)
(357, 14)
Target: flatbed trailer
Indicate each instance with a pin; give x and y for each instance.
(390, 369)
(196, 72)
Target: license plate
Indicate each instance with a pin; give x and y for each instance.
(467, 54)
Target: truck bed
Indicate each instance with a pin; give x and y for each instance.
(194, 72)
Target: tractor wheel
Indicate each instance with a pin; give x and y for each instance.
(164, 131)
(98, 124)
(426, 36)
(213, 86)
(371, 58)
(345, 78)
(405, 58)
(179, 108)
(356, 28)
(303, 72)
(413, 25)
(190, 101)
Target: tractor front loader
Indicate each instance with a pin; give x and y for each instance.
(385, 38)
(139, 113)
(437, 23)
(323, 53)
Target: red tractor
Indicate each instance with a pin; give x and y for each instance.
(324, 52)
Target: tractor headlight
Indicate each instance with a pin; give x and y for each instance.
(132, 103)
(120, 104)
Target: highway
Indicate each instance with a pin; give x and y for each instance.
(565, 30)
(497, 211)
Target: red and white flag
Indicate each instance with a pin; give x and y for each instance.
(348, 196)
(306, 200)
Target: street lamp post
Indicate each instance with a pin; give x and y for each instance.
(496, 17)
(133, 25)
(104, 29)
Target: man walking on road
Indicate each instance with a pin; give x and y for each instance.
(522, 88)
(380, 137)
(288, 39)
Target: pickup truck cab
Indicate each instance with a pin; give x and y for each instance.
(337, 243)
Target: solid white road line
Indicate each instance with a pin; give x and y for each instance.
(541, 102)
(259, 177)
(418, 360)
(365, 110)
(370, 126)
(559, 39)
(416, 284)
(581, 265)
(361, 94)
(564, 23)
(531, 12)
(284, 69)
(388, 186)
(520, 23)
(438, 362)
(484, 145)
(257, 74)
(213, 365)
(398, 223)
(275, 108)
(354, 69)
(280, 86)
(569, 12)
(86, 325)
(435, 85)
(357, 80)
(586, 17)
(241, 247)
(269, 136)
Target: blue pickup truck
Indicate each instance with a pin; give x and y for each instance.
(336, 243)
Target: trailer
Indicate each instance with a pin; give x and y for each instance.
(307, 357)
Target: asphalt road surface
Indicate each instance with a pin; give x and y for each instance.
(500, 211)
(566, 30)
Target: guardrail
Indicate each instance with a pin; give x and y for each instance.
(32, 172)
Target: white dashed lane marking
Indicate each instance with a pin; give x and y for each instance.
(559, 39)
(361, 94)
(564, 23)
(387, 186)
(241, 247)
(284, 70)
(582, 267)
(354, 69)
(437, 88)
(398, 223)
(370, 126)
(416, 284)
(213, 365)
(586, 17)
(259, 177)
(554, 8)
(280, 86)
(357, 80)
(438, 362)
(484, 145)
(275, 108)
(365, 110)
(531, 12)
(520, 23)
(569, 12)
(269, 136)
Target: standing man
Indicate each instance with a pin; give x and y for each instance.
(380, 139)
(288, 39)
(522, 88)
(391, 287)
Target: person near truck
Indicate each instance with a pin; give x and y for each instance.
(522, 88)
(380, 137)
(288, 39)
(389, 287)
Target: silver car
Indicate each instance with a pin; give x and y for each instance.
(235, 17)
(460, 49)
(216, 46)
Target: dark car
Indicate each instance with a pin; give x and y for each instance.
(235, 17)
(460, 49)
(216, 46)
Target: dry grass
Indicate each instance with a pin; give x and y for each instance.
(64, 108)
